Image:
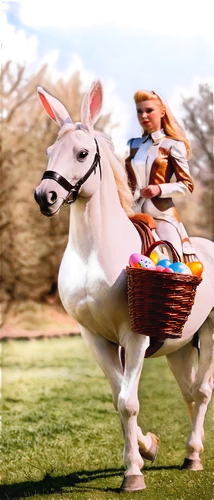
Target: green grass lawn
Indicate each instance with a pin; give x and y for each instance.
(61, 437)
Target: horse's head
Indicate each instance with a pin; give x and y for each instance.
(74, 161)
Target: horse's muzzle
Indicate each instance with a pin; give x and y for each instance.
(46, 201)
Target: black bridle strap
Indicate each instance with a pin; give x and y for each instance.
(92, 168)
(50, 174)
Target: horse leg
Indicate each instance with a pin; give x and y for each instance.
(128, 406)
(106, 355)
(149, 443)
(181, 363)
(202, 392)
(124, 391)
(196, 389)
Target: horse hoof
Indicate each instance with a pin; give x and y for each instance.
(133, 483)
(150, 454)
(192, 464)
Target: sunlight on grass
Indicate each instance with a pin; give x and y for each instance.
(62, 438)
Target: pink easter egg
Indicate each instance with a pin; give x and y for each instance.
(134, 260)
(160, 268)
(168, 270)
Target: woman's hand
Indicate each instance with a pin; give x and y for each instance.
(150, 191)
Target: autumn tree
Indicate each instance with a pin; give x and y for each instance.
(31, 245)
(197, 210)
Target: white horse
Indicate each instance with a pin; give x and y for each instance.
(84, 172)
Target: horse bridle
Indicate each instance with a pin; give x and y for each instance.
(74, 190)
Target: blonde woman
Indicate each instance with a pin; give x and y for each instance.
(160, 154)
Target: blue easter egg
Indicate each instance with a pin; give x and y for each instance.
(179, 267)
(164, 262)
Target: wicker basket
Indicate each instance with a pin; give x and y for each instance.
(160, 303)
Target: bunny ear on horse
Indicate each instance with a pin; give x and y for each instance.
(92, 104)
(55, 109)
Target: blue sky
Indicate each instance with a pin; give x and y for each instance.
(166, 46)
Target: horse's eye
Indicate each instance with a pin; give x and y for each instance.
(82, 155)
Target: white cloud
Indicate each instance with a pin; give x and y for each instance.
(119, 115)
(87, 77)
(175, 100)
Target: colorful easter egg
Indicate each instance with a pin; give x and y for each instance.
(146, 262)
(159, 268)
(134, 260)
(154, 257)
(164, 262)
(179, 267)
(196, 268)
(168, 270)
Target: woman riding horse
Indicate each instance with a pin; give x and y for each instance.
(162, 151)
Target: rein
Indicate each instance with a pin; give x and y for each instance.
(73, 191)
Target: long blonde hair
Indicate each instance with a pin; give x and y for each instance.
(168, 121)
(120, 175)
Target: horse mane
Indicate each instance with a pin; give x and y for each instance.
(120, 176)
